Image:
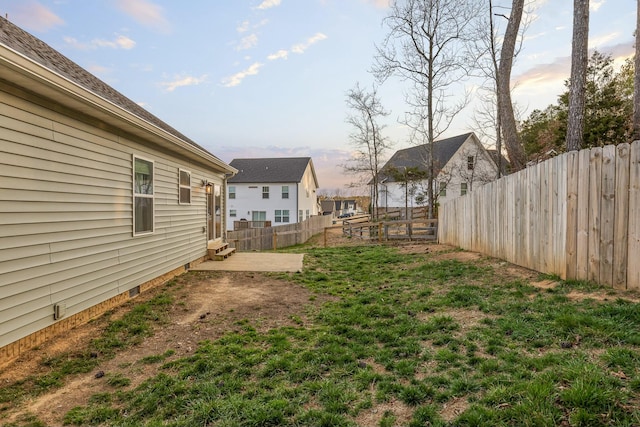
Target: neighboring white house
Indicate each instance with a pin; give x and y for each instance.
(99, 199)
(274, 190)
(461, 162)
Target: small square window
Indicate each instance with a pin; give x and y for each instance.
(463, 188)
(232, 213)
(232, 191)
(265, 192)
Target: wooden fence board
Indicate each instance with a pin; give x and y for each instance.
(633, 269)
(582, 215)
(607, 214)
(621, 219)
(595, 195)
(572, 218)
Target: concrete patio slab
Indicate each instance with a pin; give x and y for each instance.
(255, 261)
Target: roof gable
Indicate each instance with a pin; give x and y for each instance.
(279, 169)
(415, 157)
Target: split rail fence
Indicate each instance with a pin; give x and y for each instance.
(281, 236)
(576, 215)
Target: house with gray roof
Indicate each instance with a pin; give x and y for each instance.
(273, 191)
(460, 162)
(100, 200)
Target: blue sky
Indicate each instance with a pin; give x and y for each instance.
(268, 78)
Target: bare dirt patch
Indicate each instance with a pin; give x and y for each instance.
(206, 305)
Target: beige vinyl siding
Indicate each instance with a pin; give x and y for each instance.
(66, 214)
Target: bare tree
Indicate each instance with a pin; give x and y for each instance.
(512, 141)
(486, 48)
(425, 46)
(367, 138)
(579, 63)
(636, 80)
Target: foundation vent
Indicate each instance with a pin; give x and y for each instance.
(59, 310)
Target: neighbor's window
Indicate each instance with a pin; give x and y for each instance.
(463, 188)
(307, 212)
(470, 162)
(232, 213)
(300, 215)
(282, 215)
(443, 189)
(184, 190)
(232, 191)
(285, 191)
(142, 196)
(265, 192)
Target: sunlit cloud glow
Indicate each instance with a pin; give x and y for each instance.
(146, 13)
(34, 16)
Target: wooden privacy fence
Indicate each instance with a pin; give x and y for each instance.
(268, 238)
(576, 215)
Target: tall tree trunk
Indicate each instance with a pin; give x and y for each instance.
(636, 80)
(579, 63)
(509, 129)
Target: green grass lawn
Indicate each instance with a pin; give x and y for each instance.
(409, 339)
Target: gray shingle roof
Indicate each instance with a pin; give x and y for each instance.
(38, 51)
(415, 157)
(280, 169)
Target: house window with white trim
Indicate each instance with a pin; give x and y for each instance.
(184, 187)
(282, 215)
(142, 196)
(463, 188)
(470, 162)
(285, 191)
(232, 213)
(300, 215)
(265, 192)
(232, 191)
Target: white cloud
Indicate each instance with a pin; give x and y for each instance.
(120, 42)
(247, 42)
(301, 47)
(243, 27)
(281, 54)
(381, 4)
(594, 5)
(237, 78)
(267, 4)
(183, 81)
(34, 16)
(146, 13)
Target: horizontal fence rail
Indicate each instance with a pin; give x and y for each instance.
(576, 215)
(270, 238)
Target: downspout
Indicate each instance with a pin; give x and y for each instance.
(298, 202)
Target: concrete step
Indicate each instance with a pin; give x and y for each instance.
(222, 255)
